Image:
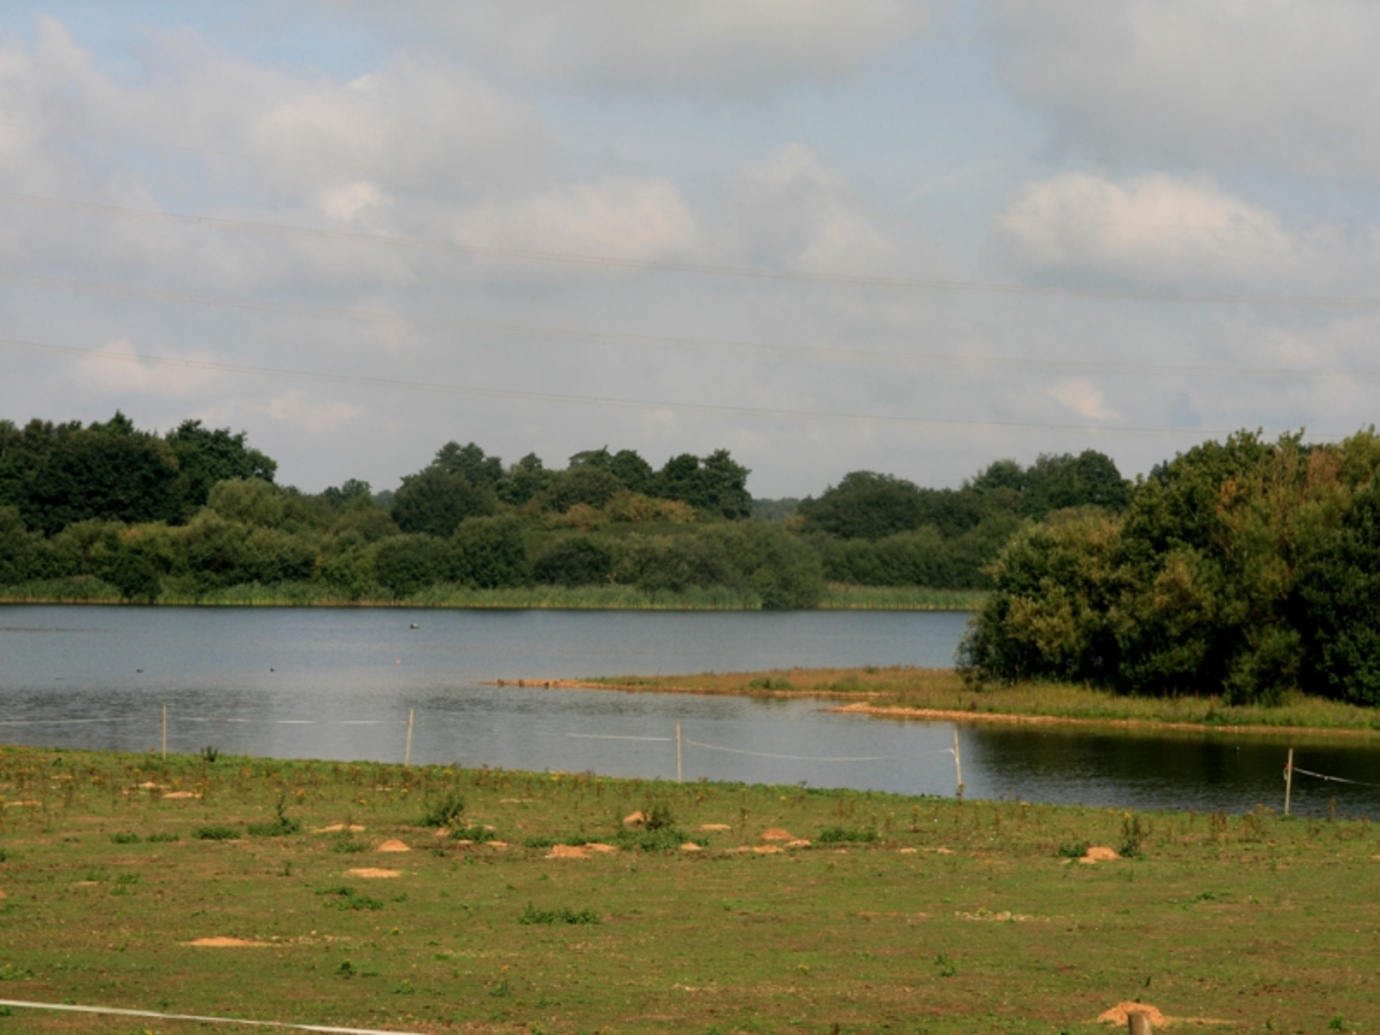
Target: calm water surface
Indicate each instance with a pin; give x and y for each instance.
(301, 683)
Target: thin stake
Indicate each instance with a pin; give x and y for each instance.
(958, 767)
(165, 731)
(407, 755)
(1288, 780)
(677, 752)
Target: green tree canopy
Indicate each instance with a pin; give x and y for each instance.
(434, 502)
(207, 456)
(107, 471)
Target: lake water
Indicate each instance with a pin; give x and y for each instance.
(318, 683)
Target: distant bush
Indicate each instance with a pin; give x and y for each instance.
(841, 835)
(216, 833)
(532, 915)
(444, 811)
(344, 897)
(125, 838)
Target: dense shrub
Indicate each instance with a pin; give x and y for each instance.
(574, 561)
(407, 563)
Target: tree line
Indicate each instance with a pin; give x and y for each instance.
(1246, 568)
(197, 510)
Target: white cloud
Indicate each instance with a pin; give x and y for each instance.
(1084, 398)
(618, 216)
(1279, 83)
(1153, 228)
(727, 47)
(296, 408)
(794, 212)
(116, 369)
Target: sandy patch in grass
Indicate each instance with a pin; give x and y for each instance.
(21, 804)
(799, 842)
(567, 852)
(600, 847)
(1004, 916)
(3, 896)
(1097, 854)
(715, 826)
(340, 828)
(907, 851)
(371, 872)
(777, 834)
(181, 794)
(757, 849)
(1120, 1014)
(690, 846)
(393, 845)
(221, 942)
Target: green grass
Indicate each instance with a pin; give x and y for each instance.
(89, 590)
(958, 917)
(944, 690)
(841, 597)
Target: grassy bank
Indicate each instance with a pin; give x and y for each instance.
(915, 915)
(901, 690)
(90, 590)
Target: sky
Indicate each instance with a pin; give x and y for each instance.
(826, 235)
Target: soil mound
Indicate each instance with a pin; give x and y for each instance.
(393, 845)
(777, 834)
(340, 828)
(567, 852)
(635, 820)
(715, 826)
(1120, 1014)
(371, 872)
(1097, 854)
(225, 943)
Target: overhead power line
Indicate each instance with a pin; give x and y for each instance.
(595, 261)
(521, 395)
(626, 339)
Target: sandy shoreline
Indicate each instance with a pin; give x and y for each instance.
(859, 706)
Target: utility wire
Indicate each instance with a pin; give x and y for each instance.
(589, 400)
(591, 260)
(623, 339)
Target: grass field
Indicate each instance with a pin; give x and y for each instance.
(901, 915)
(945, 690)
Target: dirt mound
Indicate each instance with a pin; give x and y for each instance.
(715, 826)
(635, 820)
(340, 828)
(600, 847)
(370, 872)
(689, 846)
(3, 896)
(1120, 1014)
(225, 943)
(567, 852)
(1099, 853)
(777, 834)
(393, 845)
(799, 842)
(181, 794)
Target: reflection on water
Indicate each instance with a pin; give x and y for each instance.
(339, 684)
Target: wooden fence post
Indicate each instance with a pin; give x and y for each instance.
(407, 754)
(958, 767)
(677, 752)
(165, 731)
(1288, 780)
